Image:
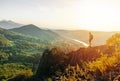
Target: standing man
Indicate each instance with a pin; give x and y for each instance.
(90, 38)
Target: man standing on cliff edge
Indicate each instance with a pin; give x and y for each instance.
(90, 38)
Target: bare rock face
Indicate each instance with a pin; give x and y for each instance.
(51, 61)
(56, 60)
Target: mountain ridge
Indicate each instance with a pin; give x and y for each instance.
(8, 24)
(35, 31)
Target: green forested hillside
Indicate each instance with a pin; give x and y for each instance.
(28, 58)
(18, 53)
(35, 31)
(19, 42)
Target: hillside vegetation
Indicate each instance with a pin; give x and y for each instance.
(20, 53)
(27, 58)
(35, 31)
(99, 63)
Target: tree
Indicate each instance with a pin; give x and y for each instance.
(3, 57)
(114, 40)
(4, 41)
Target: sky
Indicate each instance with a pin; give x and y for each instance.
(103, 15)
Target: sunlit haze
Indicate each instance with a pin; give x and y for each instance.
(100, 15)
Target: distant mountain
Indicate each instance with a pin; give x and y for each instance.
(35, 31)
(16, 43)
(83, 35)
(9, 24)
(47, 35)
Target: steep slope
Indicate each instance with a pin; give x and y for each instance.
(89, 54)
(14, 43)
(9, 24)
(35, 31)
(78, 62)
(18, 51)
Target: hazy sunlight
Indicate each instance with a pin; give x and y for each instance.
(64, 14)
